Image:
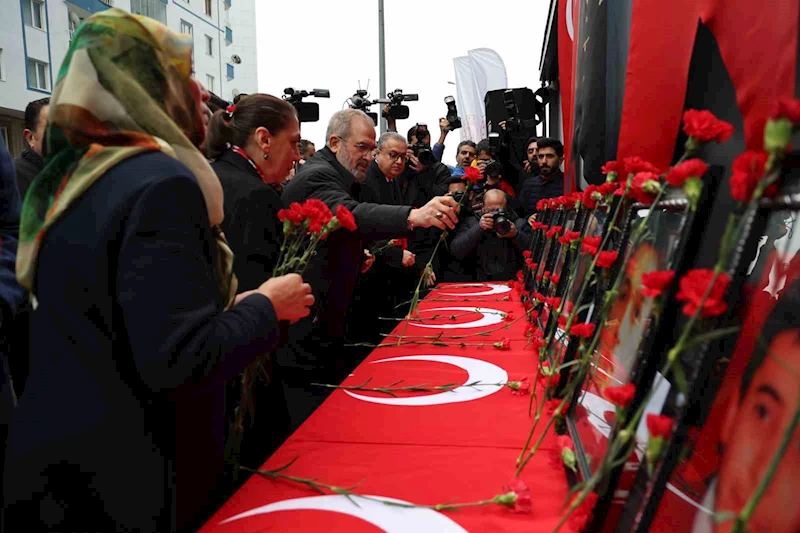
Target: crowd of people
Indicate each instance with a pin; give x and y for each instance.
(136, 276)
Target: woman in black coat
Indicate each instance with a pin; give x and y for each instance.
(255, 144)
(137, 325)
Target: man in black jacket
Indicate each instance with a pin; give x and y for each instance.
(30, 163)
(550, 181)
(315, 349)
(498, 254)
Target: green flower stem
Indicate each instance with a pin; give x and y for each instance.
(502, 499)
(393, 389)
(740, 526)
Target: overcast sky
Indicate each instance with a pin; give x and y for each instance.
(332, 44)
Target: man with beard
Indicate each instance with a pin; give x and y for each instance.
(531, 164)
(550, 181)
(314, 351)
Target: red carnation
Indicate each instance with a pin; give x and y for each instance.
(608, 188)
(509, 317)
(472, 174)
(611, 166)
(591, 245)
(694, 285)
(400, 243)
(787, 108)
(552, 405)
(635, 165)
(553, 231)
(582, 330)
(569, 236)
(348, 222)
(554, 279)
(504, 344)
(620, 396)
(317, 214)
(294, 214)
(654, 283)
(748, 171)
(520, 276)
(606, 259)
(554, 203)
(538, 277)
(541, 205)
(521, 387)
(703, 126)
(521, 500)
(659, 425)
(527, 253)
(644, 187)
(582, 514)
(691, 168)
(590, 197)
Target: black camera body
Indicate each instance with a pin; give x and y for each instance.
(502, 224)
(458, 196)
(493, 168)
(452, 114)
(306, 111)
(395, 99)
(423, 152)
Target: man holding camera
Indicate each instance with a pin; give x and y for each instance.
(497, 239)
(550, 181)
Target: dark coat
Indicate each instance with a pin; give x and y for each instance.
(535, 188)
(121, 425)
(28, 165)
(497, 259)
(315, 342)
(251, 222)
(255, 234)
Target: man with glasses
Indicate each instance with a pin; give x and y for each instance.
(389, 281)
(314, 351)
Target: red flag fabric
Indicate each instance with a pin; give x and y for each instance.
(758, 46)
(567, 37)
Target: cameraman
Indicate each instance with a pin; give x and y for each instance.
(492, 171)
(430, 176)
(496, 238)
(444, 129)
(458, 269)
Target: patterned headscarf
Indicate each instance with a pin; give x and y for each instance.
(124, 88)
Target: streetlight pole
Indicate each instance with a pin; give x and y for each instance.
(381, 64)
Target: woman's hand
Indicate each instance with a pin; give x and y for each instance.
(290, 297)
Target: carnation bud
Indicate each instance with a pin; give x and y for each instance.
(287, 226)
(692, 188)
(611, 177)
(509, 498)
(654, 448)
(568, 456)
(651, 187)
(625, 435)
(777, 134)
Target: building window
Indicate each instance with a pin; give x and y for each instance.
(37, 75)
(209, 45)
(74, 22)
(230, 71)
(155, 9)
(208, 7)
(227, 3)
(228, 35)
(33, 13)
(210, 83)
(187, 28)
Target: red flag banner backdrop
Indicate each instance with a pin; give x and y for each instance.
(757, 42)
(567, 37)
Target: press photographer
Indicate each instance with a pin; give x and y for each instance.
(447, 124)
(455, 269)
(493, 172)
(497, 239)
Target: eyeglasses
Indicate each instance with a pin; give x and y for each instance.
(394, 156)
(364, 148)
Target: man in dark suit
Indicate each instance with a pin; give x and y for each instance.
(315, 349)
(30, 163)
(388, 283)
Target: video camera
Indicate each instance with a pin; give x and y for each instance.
(306, 111)
(502, 224)
(452, 113)
(360, 100)
(395, 99)
(493, 168)
(422, 151)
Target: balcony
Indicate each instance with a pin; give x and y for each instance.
(92, 6)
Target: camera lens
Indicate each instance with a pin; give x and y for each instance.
(501, 223)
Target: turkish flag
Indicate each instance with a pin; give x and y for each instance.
(568, 11)
(758, 44)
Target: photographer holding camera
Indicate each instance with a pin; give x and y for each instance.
(497, 239)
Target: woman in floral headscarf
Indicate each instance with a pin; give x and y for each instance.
(136, 326)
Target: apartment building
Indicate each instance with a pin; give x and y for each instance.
(35, 35)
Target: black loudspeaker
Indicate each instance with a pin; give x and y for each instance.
(502, 103)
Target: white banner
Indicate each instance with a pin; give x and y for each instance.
(481, 71)
(470, 106)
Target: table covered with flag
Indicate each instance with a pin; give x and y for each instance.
(428, 448)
